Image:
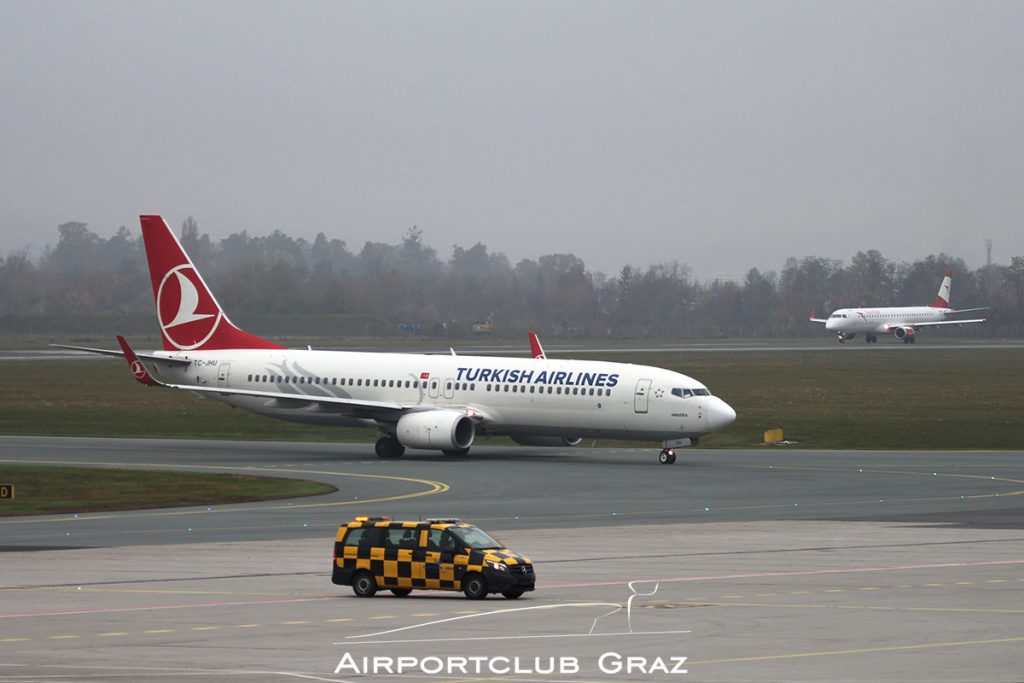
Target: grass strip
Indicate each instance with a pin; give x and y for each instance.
(908, 397)
(41, 489)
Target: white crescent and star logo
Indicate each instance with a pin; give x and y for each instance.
(178, 304)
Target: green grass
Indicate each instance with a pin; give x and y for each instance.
(55, 490)
(916, 398)
(902, 398)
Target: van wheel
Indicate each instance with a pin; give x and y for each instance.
(474, 586)
(512, 595)
(401, 592)
(364, 585)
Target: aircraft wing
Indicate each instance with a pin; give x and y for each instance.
(111, 352)
(945, 322)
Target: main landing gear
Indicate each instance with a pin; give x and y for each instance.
(870, 339)
(389, 447)
(667, 456)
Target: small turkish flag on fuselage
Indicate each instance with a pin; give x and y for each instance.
(424, 375)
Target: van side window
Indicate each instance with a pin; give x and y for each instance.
(354, 536)
(403, 538)
(371, 537)
(434, 540)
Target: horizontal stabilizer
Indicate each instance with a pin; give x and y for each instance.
(120, 354)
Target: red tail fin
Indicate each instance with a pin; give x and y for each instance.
(942, 298)
(190, 318)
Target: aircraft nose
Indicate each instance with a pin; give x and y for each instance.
(720, 414)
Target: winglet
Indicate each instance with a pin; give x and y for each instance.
(139, 371)
(536, 350)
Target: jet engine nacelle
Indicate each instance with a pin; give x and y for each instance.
(547, 441)
(903, 332)
(436, 430)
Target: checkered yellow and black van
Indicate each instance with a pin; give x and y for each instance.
(374, 553)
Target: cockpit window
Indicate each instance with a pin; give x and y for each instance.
(690, 393)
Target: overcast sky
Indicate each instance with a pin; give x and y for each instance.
(724, 135)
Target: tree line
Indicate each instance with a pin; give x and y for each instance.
(407, 288)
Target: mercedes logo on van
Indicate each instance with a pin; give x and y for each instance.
(188, 314)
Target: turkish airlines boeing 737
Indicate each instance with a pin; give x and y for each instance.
(902, 322)
(433, 402)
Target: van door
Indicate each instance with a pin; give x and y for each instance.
(439, 561)
(641, 396)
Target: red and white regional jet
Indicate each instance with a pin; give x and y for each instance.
(433, 402)
(901, 322)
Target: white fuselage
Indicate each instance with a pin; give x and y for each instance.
(511, 396)
(882, 320)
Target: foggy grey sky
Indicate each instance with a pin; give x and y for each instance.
(722, 134)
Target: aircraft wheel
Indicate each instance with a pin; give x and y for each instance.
(913, 340)
(389, 447)
(667, 456)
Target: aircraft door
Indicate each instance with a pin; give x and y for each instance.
(641, 396)
(432, 388)
(449, 388)
(223, 371)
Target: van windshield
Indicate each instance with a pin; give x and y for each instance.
(473, 538)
